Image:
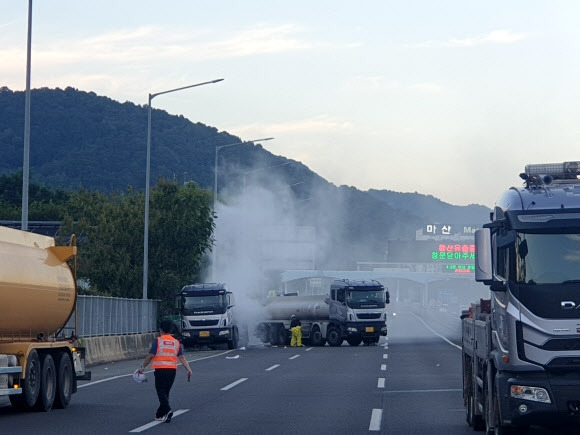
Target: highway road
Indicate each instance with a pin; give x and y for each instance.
(409, 384)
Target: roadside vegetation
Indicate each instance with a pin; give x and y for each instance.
(109, 229)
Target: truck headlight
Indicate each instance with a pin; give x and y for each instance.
(535, 394)
(351, 329)
(226, 332)
(186, 334)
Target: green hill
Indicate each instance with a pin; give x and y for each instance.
(78, 139)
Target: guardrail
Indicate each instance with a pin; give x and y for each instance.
(101, 316)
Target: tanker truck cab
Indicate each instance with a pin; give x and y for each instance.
(524, 348)
(357, 311)
(207, 316)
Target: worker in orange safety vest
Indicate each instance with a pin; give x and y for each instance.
(164, 352)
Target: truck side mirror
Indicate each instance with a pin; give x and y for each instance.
(483, 263)
(177, 299)
(387, 297)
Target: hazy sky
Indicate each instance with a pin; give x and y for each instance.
(448, 98)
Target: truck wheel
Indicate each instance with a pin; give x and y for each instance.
(233, 343)
(30, 385)
(47, 384)
(477, 421)
(273, 335)
(282, 336)
(334, 337)
(64, 381)
(354, 341)
(264, 333)
(316, 338)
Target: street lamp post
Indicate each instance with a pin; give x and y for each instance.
(26, 158)
(147, 177)
(215, 187)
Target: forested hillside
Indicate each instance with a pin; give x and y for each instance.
(80, 139)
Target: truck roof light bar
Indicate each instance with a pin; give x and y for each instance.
(545, 173)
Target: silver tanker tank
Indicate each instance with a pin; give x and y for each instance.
(303, 307)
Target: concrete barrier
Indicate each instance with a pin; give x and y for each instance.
(106, 349)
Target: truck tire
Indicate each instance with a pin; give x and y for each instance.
(30, 385)
(477, 421)
(233, 343)
(273, 335)
(354, 341)
(48, 387)
(334, 337)
(264, 333)
(282, 336)
(64, 381)
(316, 338)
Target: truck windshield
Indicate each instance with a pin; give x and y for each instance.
(214, 304)
(548, 258)
(366, 299)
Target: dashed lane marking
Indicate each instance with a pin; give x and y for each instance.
(310, 348)
(383, 367)
(381, 383)
(376, 418)
(148, 371)
(233, 384)
(294, 357)
(385, 356)
(273, 367)
(155, 423)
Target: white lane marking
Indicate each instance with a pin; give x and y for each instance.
(438, 335)
(294, 357)
(383, 367)
(381, 383)
(376, 418)
(155, 423)
(233, 384)
(442, 390)
(273, 367)
(148, 371)
(385, 356)
(310, 348)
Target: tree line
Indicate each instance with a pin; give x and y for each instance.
(109, 229)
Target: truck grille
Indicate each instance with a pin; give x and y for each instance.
(211, 322)
(369, 315)
(561, 344)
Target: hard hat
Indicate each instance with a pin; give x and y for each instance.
(139, 377)
(293, 316)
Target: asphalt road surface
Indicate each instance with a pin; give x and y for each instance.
(409, 384)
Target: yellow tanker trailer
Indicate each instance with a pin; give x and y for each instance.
(39, 363)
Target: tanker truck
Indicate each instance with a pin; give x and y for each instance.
(39, 364)
(354, 311)
(521, 347)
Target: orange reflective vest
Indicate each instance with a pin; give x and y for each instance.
(166, 356)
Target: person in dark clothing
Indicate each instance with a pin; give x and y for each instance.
(165, 351)
(296, 329)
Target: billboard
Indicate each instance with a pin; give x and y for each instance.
(453, 256)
